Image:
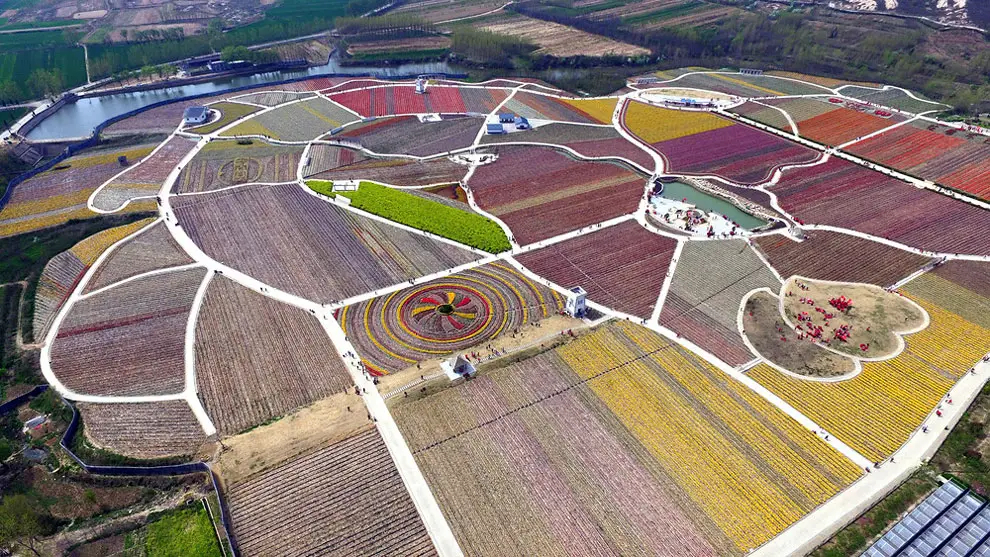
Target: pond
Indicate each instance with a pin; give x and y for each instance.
(710, 204)
(80, 118)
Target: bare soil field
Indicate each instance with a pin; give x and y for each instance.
(315, 51)
(778, 343)
(324, 422)
(560, 40)
(398, 45)
(874, 320)
(437, 11)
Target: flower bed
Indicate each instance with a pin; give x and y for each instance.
(542, 107)
(64, 271)
(229, 112)
(843, 194)
(461, 226)
(527, 184)
(488, 302)
(562, 422)
(272, 98)
(346, 498)
(622, 267)
(586, 140)
(223, 163)
(307, 246)
(737, 153)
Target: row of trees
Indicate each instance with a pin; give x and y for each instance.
(390, 24)
(40, 83)
(488, 48)
(805, 40)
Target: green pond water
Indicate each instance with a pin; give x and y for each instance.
(709, 203)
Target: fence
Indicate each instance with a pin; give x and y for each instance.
(19, 400)
(94, 138)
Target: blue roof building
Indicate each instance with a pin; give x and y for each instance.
(507, 117)
(495, 129)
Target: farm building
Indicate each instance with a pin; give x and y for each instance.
(495, 129)
(521, 123)
(507, 118)
(195, 115)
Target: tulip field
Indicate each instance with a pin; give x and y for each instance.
(329, 162)
(703, 299)
(827, 255)
(329, 255)
(346, 239)
(542, 441)
(346, 498)
(527, 182)
(143, 430)
(840, 193)
(152, 249)
(402, 99)
(934, 152)
(406, 135)
(621, 267)
(63, 273)
(128, 340)
(587, 141)
(247, 374)
(144, 179)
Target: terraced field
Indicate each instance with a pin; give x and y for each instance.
(346, 498)
(128, 340)
(299, 121)
(329, 162)
(543, 438)
(833, 122)
(144, 179)
(143, 430)
(406, 135)
(152, 249)
(225, 163)
(527, 183)
(621, 267)
(834, 256)
(894, 98)
(742, 85)
(257, 358)
(395, 331)
(704, 299)
(329, 255)
(63, 272)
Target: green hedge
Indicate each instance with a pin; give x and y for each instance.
(458, 225)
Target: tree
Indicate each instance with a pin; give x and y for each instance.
(21, 523)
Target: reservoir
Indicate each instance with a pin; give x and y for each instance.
(79, 118)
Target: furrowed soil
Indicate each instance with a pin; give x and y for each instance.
(322, 423)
